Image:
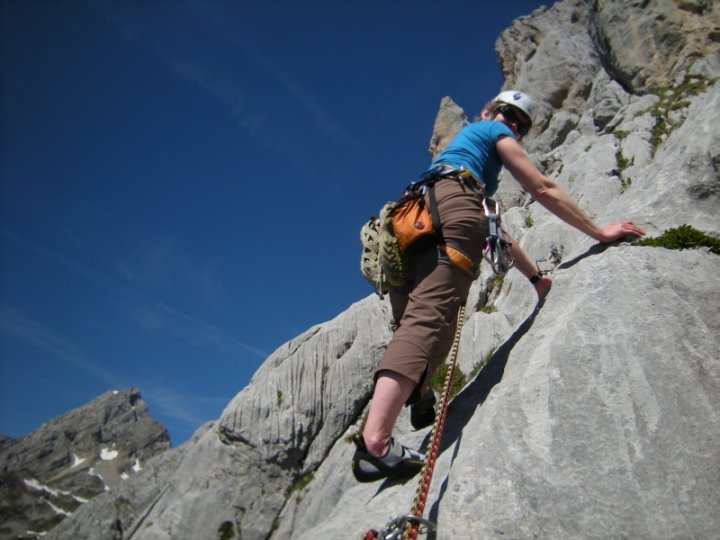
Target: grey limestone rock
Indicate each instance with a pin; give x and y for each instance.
(449, 121)
(652, 44)
(585, 423)
(551, 55)
(312, 394)
(239, 473)
(48, 474)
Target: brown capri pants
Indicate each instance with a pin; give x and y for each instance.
(426, 308)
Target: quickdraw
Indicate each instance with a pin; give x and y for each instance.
(410, 525)
(496, 247)
(395, 527)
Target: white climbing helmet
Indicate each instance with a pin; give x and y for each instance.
(519, 100)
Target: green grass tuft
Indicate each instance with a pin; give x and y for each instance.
(673, 99)
(683, 237)
(225, 531)
(477, 368)
(457, 382)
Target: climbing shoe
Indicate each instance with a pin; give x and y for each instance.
(398, 462)
(422, 413)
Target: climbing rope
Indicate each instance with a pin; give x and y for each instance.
(412, 527)
(409, 525)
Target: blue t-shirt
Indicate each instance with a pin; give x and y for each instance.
(474, 148)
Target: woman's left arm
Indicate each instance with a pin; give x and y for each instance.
(553, 197)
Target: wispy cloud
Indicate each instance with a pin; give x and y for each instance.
(309, 102)
(16, 325)
(162, 257)
(221, 24)
(152, 315)
(48, 253)
(223, 64)
(180, 406)
(157, 317)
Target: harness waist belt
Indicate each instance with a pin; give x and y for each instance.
(448, 171)
(458, 258)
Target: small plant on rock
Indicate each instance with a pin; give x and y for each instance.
(457, 382)
(673, 99)
(625, 183)
(683, 237)
(225, 531)
(622, 161)
(477, 368)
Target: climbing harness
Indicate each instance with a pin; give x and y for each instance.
(413, 523)
(496, 247)
(426, 184)
(410, 223)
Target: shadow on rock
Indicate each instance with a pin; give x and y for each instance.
(593, 250)
(463, 407)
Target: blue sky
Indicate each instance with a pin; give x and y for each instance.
(183, 183)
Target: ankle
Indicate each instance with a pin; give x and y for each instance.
(377, 447)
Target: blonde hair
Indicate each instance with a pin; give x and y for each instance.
(490, 107)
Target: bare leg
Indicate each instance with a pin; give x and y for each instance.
(527, 268)
(391, 392)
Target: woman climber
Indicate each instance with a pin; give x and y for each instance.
(425, 310)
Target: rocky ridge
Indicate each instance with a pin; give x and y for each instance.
(48, 474)
(592, 415)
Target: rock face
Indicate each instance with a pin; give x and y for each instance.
(650, 44)
(48, 474)
(593, 415)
